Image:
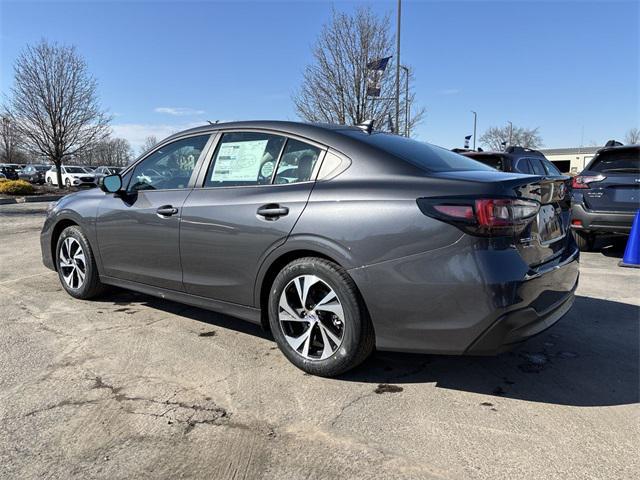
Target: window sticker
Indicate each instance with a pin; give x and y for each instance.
(239, 161)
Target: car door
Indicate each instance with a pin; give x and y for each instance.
(248, 200)
(138, 230)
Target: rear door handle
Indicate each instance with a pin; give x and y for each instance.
(167, 210)
(272, 211)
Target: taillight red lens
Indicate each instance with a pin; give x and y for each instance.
(483, 216)
(457, 211)
(583, 181)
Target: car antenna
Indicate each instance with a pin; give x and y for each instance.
(366, 126)
(213, 123)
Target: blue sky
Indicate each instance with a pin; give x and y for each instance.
(568, 67)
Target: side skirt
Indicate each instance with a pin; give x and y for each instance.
(249, 314)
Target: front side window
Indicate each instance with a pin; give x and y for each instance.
(169, 167)
(244, 158)
(297, 162)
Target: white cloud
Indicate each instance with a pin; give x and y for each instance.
(136, 133)
(449, 91)
(178, 111)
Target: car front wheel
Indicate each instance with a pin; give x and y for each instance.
(76, 265)
(318, 317)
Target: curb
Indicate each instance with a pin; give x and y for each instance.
(32, 199)
(40, 198)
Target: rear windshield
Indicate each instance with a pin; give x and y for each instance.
(621, 161)
(494, 161)
(423, 155)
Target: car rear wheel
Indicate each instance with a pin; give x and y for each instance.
(49, 182)
(584, 240)
(76, 265)
(318, 317)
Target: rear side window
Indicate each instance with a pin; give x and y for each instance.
(537, 166)
(425, 156)
(297, 162)
(620, 161)
(244, 158)
(523, 166)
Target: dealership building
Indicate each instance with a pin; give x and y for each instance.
(570, 160)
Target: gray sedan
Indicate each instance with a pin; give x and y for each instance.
(338, 239)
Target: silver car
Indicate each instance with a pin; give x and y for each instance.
(337, 239)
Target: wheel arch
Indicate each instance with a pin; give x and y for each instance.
(55, 235)
(269, 273)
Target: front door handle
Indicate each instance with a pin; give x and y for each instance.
(167, 210)
(272, 211)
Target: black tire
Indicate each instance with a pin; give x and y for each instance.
(49, 182)
(67, 183)
(90, 286)
(584, 241)
(358, 339)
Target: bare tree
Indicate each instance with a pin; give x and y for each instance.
(497, 138)
(54, 104)
(115, 152)
(632, 136)
(10, 140)
(334, 88)
(149, 142)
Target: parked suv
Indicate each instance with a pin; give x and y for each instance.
(517, 160)
(71, 176)
(8, 172)
(34, 173)
(606, 194)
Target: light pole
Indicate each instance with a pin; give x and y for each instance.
(510, 132)
(475, 122)
(398, 67)
(406, 100)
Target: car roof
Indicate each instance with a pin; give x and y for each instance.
(634, 146)
(325, 133)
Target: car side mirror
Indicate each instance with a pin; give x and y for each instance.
(111, 183)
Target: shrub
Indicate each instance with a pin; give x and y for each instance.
(16, 187)
(4, 180)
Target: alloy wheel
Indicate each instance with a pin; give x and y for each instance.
(311, 317)
(72, 263)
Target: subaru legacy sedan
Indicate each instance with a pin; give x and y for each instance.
(340, 240)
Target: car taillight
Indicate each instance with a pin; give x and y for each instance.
(583, 181)
(482, 216)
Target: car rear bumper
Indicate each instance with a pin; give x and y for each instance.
(464, 300)
(605, 222)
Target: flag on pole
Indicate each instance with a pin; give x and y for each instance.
(375, 69)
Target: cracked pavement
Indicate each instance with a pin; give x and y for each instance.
(129, 386)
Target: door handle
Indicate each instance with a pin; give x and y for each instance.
(167, 210)
(272, 211)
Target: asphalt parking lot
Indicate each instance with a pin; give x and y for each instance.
(130, 386)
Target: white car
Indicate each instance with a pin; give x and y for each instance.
(71, 176)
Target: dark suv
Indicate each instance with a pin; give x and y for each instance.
(517, 160)
(606, 194)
